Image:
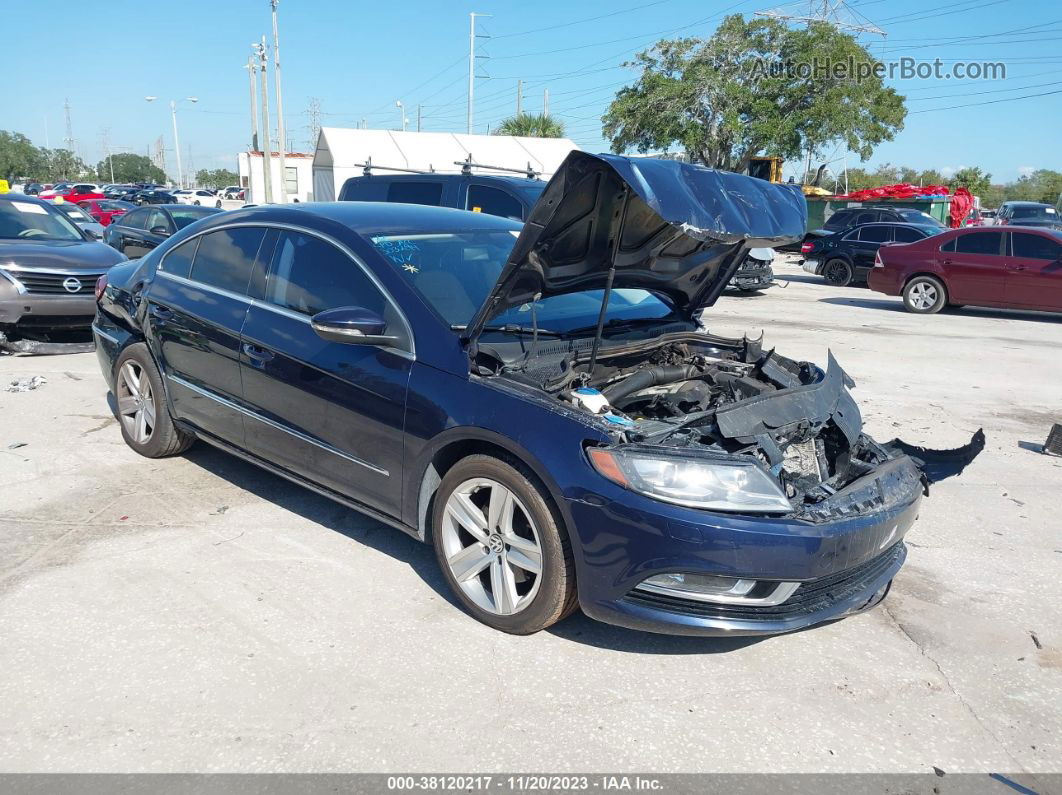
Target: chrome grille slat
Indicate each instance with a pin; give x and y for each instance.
(40, 282)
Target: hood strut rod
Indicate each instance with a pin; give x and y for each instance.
(617, 229)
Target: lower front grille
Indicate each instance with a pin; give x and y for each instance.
(51, 283)
(811, 597)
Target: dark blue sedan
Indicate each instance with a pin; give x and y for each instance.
(536, 401)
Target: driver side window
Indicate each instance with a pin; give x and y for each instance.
(309, 275)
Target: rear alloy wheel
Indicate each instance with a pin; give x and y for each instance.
(838, 272)
(217, 204)
(142, 413)
(196, 202)
(501, 547)
(924, 295)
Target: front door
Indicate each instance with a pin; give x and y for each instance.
(330, 412)
(1034, 271)
(975, 268)
(864, 249)
(196, 309)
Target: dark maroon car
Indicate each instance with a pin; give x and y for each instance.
(1013, 267)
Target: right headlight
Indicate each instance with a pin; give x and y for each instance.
(694, 481)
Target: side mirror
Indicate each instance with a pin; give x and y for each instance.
(352, 325)
(161, 231)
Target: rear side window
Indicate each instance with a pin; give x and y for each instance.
(429, 193)
(492, 201)
(178, 261)
(364, 189)
(840, 219)
(875, 234)
(226, 258)
(904, 234)
(978, 243)
(136, 219)
(867, 217)
(1035, 247)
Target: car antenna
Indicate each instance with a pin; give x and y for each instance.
(617, 236)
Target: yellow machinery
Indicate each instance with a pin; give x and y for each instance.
(768, 168)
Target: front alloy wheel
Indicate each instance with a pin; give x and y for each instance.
(501, 547)
(491, 546)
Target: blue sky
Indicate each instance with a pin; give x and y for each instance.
(357, 59)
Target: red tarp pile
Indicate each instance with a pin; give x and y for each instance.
(961, 203)
(901, 191)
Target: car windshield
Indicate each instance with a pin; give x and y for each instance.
(921, 218)
(115, 205)
(455, 271)
(31, 221)
(1034, 212)
(183, 216)
(76, 213)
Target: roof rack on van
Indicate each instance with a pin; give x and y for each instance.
(367, 167)
(467, 165)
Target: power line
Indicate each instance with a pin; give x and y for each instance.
(989, 102)
(581, 21)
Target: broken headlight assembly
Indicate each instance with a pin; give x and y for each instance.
(711, 483)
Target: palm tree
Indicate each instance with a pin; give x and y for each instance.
(531, 126)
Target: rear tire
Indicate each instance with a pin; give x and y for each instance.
(837, 272)
(925, 295)
(502, 546)
(142, 413)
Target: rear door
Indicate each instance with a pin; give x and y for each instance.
(869, 240)
(329, 412)
(1034, 271)
(196, 309)
(975, 268)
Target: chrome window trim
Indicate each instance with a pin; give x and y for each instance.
(410, 354)
(781, 592)
(208, 287)
(273, 424)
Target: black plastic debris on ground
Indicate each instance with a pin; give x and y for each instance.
(1053, 445)
(68, 343)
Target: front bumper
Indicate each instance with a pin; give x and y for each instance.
(844, 557)
(756, 277)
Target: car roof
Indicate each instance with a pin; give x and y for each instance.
(377, 217)
(1028, 204)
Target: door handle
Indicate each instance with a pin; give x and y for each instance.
(946, 262)
(258, 356)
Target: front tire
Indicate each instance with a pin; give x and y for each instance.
(837, 272)
(142, 413)
(217, 204)
(924, 295)
(502, 547)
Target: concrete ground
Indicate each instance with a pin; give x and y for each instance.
(197, 614)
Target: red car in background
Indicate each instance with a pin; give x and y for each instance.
(105, 210)
(1013, 268)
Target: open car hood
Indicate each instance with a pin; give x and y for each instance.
(674, 228)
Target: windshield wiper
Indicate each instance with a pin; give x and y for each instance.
(510, 328)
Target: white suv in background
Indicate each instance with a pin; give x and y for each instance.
(197, 196)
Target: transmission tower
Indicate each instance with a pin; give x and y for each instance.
(833, 12)
(314, 112)
(68, 141)
(159, 155)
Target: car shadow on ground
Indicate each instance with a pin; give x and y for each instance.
(896, 305)
(420, 557)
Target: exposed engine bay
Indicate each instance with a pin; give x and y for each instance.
(700, 393)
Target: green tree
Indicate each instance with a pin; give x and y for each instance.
(59, 164)
(216, 178)
(973, 179)
(745, 91)
(129, 167)
(19, 157)
(531, 126)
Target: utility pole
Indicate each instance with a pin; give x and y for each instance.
(280, 105)
(251, 68)
(519, 97)
(545, 102)
(472, 66)
(267, 160)
(418, 118)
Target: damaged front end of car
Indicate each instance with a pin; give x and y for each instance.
(723, 427)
